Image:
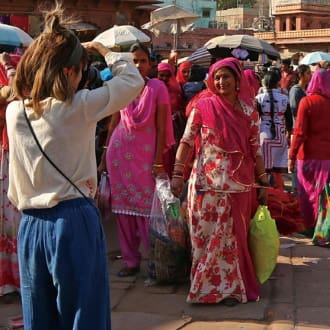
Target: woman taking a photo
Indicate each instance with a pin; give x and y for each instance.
(53, 177)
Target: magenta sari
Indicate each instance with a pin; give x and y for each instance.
(220, 194)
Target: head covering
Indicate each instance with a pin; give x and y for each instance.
(244, 93)
(173, 87)
(252, 80)
(234, 127)
(14, 59)
(4, 81)
(181, 79)
(162, 66)
(320, 83)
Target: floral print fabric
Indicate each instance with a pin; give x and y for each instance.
(9, 221)
(218, 214)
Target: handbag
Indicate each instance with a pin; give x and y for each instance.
(104, 196)
(49, 160)
(321, 235)
(264, 243)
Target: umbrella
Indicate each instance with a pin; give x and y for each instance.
(170, 19)
(121, 35)
(248, 47)
(315, 57)
(14, 36)
(201, 56)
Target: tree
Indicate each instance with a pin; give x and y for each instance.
(226, 4)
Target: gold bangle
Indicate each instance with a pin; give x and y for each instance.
(177, 176)
(104, 147)
(177, 173)
(262, 174)
(179, 164)
(157, 165)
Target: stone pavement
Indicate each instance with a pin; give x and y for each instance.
(296, 297)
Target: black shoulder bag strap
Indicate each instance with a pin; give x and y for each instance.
(47, 157)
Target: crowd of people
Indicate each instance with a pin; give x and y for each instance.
(223, 135)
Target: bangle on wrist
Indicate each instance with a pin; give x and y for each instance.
(177, 173)
(179, 164)
(177, 176)
(157, 165)
(264, 184)
(261, 175)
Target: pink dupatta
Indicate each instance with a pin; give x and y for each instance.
(233, 126)
(137, 113)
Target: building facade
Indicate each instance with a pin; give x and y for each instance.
(301, 26)
(98, 15)
(206, 9)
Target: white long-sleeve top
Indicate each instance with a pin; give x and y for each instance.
(66, 132)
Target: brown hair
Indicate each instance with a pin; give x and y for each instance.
(40, 71)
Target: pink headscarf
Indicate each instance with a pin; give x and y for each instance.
(172, 82)
(320, 83)
(14, 59)
(181, 79)
(244, 92)
(252, 80)
(233, 127)
(174, 88)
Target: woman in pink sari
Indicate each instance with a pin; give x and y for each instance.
(310, 146)
(220, 194)
(183, 72)
(138, 137)
(9, 216)
(166, 74)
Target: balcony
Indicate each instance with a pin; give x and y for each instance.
(296, 37)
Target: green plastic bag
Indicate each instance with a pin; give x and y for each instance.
(321, 235)
(264, 243)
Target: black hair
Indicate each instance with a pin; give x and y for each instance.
(270, 81)
(286, 61)
(302, 68)
(272, 78)
(197, 73)
(143, 47)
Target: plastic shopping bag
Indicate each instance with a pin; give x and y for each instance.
(321, 235)
(104, 196)
(169, 256)
(264, 243)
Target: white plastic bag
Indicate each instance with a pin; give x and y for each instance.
(165, 206)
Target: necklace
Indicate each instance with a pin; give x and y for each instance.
(237, 105)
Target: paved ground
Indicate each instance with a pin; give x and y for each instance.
(295, 298)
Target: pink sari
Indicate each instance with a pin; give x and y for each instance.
(220, 209)
(9, 215)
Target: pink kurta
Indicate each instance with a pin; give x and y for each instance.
(131, 151)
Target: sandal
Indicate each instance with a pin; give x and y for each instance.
(128, 271)
(230, 302)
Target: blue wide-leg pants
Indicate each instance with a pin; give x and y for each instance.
(63, 268)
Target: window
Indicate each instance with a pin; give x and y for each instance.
(293, 23)
(206, 13)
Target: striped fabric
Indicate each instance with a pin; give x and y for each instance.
(201, 56)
